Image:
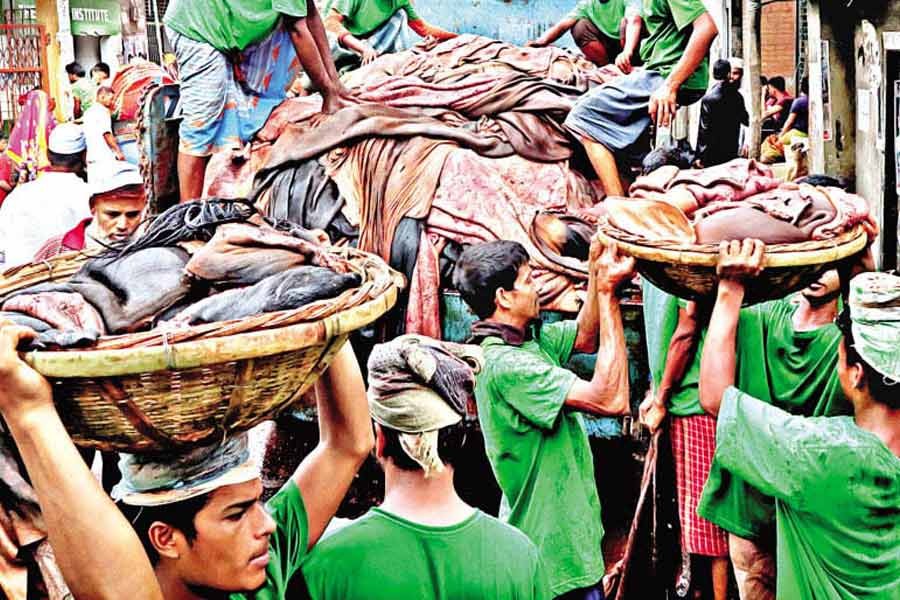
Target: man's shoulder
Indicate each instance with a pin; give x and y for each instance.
(505, 533)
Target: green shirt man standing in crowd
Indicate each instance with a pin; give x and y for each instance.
(835, 480)
(529, 405)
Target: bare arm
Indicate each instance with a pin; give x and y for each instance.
(335, 24)
(772, 111)
(6, 186)
(553, 34)
(424, 29)
(97, 550)
(634, 24)
(607, 393)
(345, 439)
(789, 124)
(113, 145)
(587, 316)
(737, 261)
(663, 102)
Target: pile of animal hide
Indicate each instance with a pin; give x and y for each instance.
(452, 142)
(736, 200)
(200, 262)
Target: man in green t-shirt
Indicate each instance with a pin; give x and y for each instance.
(198, 515)
(423, 541)
(612, 121)
(835, 480)
(237, 60)
(529, 405)
(605, 30)
(363, 30)
(83, 90)
(787, 352)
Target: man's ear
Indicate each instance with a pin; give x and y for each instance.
(165, 539)
(502, 298)
(379, 441)
(857, 376)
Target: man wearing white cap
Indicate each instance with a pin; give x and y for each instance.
(117, 206)
(423, 541)
(56, 201)
(104, 157)
(835, 480)
(198, 515)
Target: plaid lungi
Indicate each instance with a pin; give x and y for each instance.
(693, 446)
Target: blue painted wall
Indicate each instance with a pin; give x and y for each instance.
(515, 21)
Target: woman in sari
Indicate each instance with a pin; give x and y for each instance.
(28, 139)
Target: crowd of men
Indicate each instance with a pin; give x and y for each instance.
(784, 417)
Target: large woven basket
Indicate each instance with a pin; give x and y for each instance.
(689, 270)
(167, 390)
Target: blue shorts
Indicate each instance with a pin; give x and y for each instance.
(227, 98)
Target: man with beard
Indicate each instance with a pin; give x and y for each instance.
(117, 206)
(529, 405)
(722, 112)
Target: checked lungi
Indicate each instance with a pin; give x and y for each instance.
(693, 447)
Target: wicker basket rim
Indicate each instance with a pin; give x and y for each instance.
(205, 351)
(706, 255)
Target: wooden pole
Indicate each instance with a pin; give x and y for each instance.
(751, 42)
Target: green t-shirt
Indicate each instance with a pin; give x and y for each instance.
(381, 556)
(669, 27)
(660, 320)
(229, 25)
(287, 546)
(362, 17)
(607, 16)
(540, 453)
(798, 373)
(85, 91)
(837, 492)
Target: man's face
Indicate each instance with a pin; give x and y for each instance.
(825, 287)
(231, 550)
(106, 99)
(736, 75)
(4, 144)
(523, 298)
(118, 213)
(99, 77)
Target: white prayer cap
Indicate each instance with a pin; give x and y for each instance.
(124, 174)
(736, 63)
(67, 138)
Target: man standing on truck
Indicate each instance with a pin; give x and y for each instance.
(237, 61)
(605, 30)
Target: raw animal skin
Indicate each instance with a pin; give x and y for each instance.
(650, 219)
(243, 254)
(742, 222)
(63, 311)
(292, 289)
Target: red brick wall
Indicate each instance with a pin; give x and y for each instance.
(778, 39)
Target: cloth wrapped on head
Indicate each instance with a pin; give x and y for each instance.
(157, 479)
(417, 386)
(875, 315)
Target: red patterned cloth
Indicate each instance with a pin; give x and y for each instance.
(693, 446)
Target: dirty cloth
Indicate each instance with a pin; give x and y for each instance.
(288, 290)
(244, 254)
(837, 492)
(418, 386)
(875, 314)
